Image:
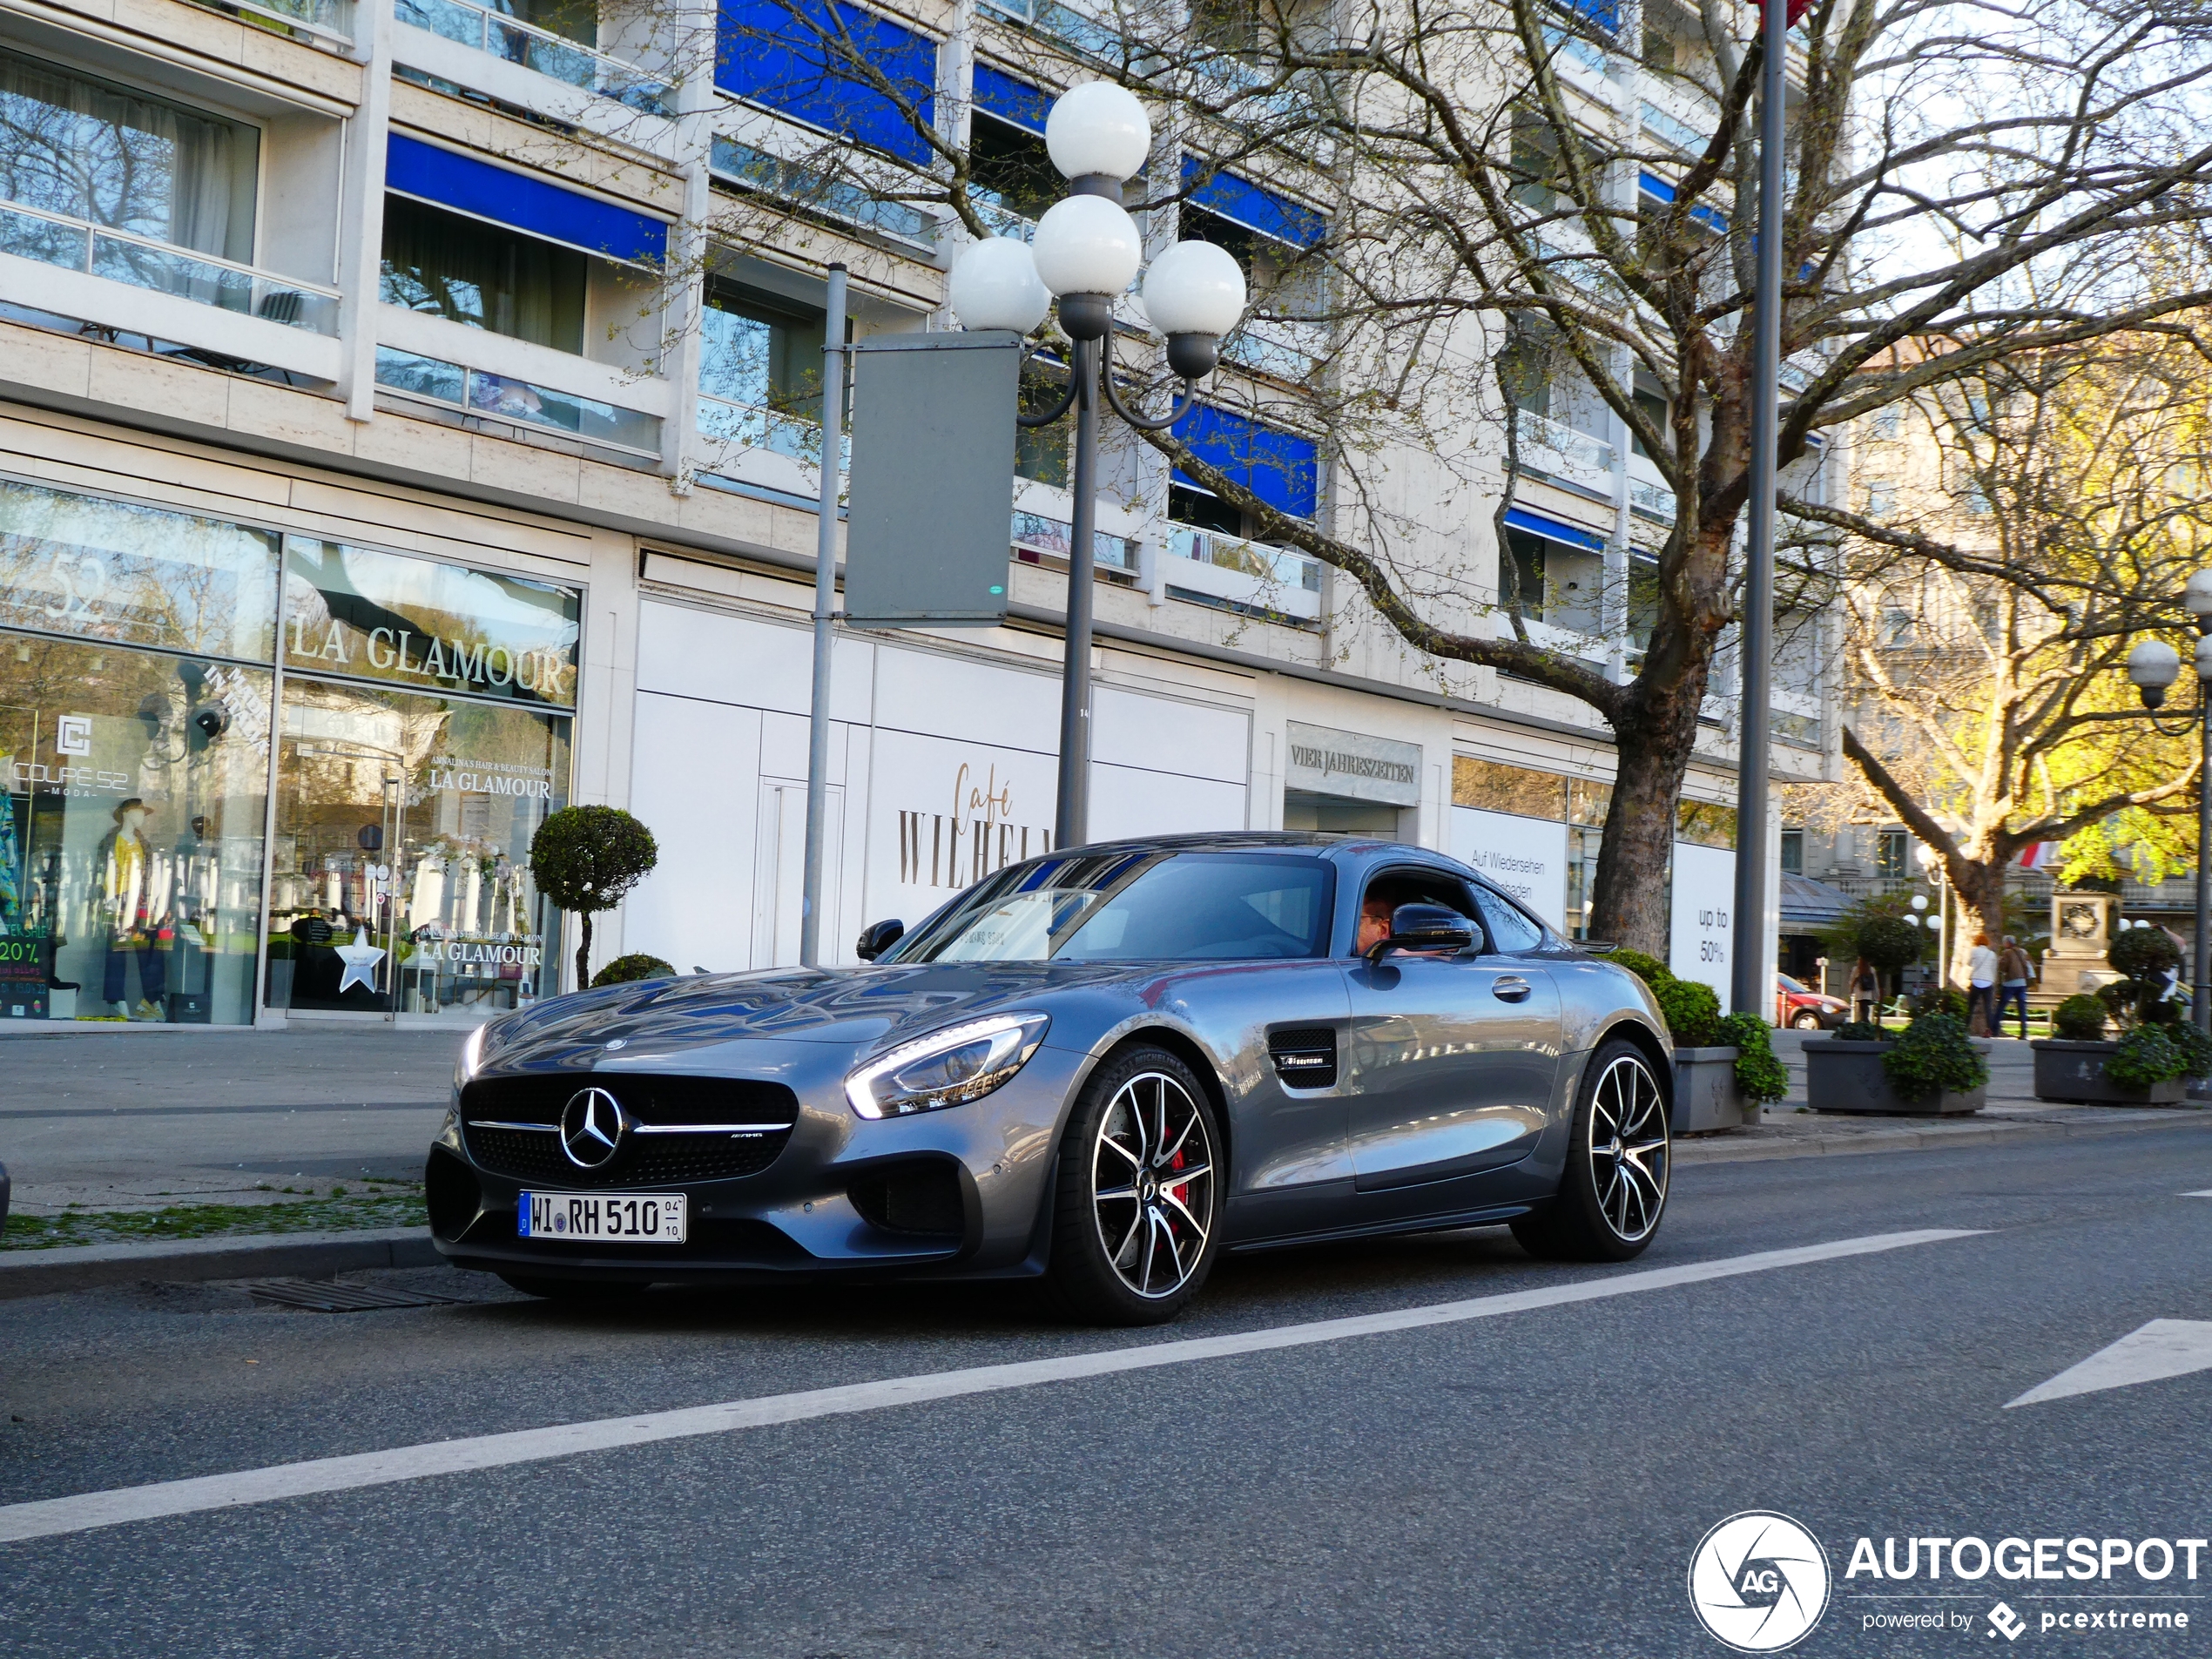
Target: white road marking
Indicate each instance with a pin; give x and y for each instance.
(2206, 1193)
(2161, 1349)
(86, 1511)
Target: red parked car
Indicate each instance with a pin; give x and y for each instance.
(1799, 1005)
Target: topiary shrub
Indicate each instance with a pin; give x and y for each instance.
(1934, 1056)
(585, 859)
(1692, 1012)
(627, 970)
(1889, 942)
(2080, 1018)
(1650, 969)
(1861, 1031)
(2146, 1055)
(1759, 1076)
(1942, 999)
(2143, 954)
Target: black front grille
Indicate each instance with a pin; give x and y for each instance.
(643, 1160)
(1305, 1056)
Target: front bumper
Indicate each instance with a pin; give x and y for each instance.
(957, 1193)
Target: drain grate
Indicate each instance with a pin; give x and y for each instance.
(325, 1296)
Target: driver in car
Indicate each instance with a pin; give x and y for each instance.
(1375, 913)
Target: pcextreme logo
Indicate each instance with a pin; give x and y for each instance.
(1759, 1581)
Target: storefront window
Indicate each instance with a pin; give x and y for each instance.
(1492, 786)
(130, 845)
(400, 876)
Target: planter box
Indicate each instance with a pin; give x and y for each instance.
(1705, 1095)
(1848, 1078)
(2075, 1071)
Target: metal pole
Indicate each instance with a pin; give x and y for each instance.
(1753, 978)
(2201, 1003)
(1071, 817)
(818, 720)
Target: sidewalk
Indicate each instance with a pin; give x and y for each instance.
(1789, 1129)
(139, 1121)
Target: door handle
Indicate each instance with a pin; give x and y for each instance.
(1510, 987)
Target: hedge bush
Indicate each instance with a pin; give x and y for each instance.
(2146, 1055)
(1934, 1056)
(626, 970)
(1650, 969)
(1692, 1011)
(2080, 1018)
(1759, 1076)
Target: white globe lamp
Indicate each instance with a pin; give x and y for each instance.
(2153, 666)
(994, 285)
(2204, 658)
(1098, 131)
(1087, 251)
(1194, 293)
(2196, 596)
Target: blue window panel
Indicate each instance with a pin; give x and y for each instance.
(1605, 14)
(1652, 184)
(1254, 208)
(1553, 529)
(1712, 219)
(774, 53)
(450, 179)
(1010, 100)
(1280, 467)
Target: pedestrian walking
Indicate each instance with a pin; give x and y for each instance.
(1981, 976)
(2012, 971)
(1865, 990)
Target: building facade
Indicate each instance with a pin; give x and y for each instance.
(405, 432)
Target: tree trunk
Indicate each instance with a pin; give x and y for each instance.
(1980, 890)
(583, 952)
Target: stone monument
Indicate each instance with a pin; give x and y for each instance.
(2080, 928)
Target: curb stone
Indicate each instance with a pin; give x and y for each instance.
(84, 1267)
(1726, 1150)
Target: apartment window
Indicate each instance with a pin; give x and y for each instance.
(1893, 854)
(1793, 852)
(1889, 421)
(760, 352)
(483, 276)
(1040, 452)
(1650, 399)
(1881, 498)
(1530, 557)
(1202, 509)
(1011, 165)
(90, 149)
(576, 20)
(1897, 626)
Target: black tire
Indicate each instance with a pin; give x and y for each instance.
(1806, 1020)
(568, 1289)
(1618, 1161)
(1136, 1254)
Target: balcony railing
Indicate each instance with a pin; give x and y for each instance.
(1063, 23)
(536, 49)
(501, 397)
(772, 176)
(1652, 501)
(1247, 575)
(327, 21)
(75, 245)
(1040, 540)
(1002, 219)
(1579, 450)
(1286, 350)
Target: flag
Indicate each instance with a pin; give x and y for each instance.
(1796, 9)
(2040, 855)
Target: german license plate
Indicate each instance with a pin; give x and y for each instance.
(601, 1217)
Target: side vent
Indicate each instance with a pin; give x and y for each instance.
(1305, 1056)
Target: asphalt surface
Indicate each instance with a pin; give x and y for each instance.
(1526, 1485)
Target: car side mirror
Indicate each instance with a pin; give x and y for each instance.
(877, 937)
(1425, 926)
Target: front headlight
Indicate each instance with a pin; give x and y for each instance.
(947, 1067)
(472, 1057)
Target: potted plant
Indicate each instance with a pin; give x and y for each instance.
(1932, 1068)
(2155, 1054)
(586, 860)
(1724, 1069)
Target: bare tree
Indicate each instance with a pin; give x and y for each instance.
(2035, 519)
(1487, 194)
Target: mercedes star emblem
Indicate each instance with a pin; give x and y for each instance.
(591, 1127)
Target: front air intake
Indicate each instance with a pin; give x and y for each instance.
(1305, 1056)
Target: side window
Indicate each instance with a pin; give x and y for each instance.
(1509, 929)
(1386, 892)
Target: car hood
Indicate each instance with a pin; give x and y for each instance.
(861, 1007)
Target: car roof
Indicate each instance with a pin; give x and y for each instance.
(1306, 842)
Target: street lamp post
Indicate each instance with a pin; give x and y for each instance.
(1087, 251)
(2154, 666)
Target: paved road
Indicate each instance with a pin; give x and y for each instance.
(124, 1121)
(1528, 1484)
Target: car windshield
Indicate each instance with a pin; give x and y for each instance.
(1145, 906)
(1789, 984)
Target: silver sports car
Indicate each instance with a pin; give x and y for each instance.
(1103, 1067)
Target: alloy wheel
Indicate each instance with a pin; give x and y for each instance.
(1629, 1149)
(1152, 1184)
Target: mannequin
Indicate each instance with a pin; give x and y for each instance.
(131, 905)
